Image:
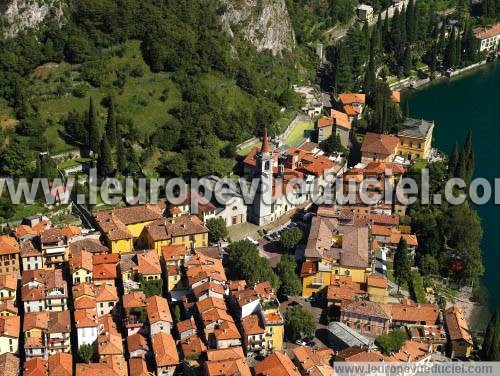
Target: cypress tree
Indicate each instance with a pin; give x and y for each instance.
(458, 50)
(121, 161)
(93, 129)
(410, 21)
(490, 347)
(453, 160)
(370, 77)
(111, 123)
(402, 263)
(450, 52)
(386, 40)
(104, 159)
(343, 74)
(460, 170)
(407, 63)
(468, 153)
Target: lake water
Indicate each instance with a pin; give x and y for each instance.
(470, 101)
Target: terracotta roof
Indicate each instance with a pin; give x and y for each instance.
(252, 325)
(9, 365)
(357, 354)
(340, 119)
(84, 296)
(49, 278)
(206, 287)
(59, 322)
(486, 32)
(308, 357)
(412, 312)
(148, 263)
(276, 364)
(10, 326)
(138, 367)
(378, 230)
(215, 315)
(343, 288)
(89, 245)
(457, 325)
(379, 144)
(210, 303)
(36, 320)
(117, 363)
(8, 281)
(352, 110)
(104, 271)
(137, 342)
(192, 345)
(396, 96)
(158, 310)
(134, 299)
(165, 350)
(230, 353)
(365, 308)
(349, 98)
(324, 122)
(71, 231)
(106, 258)
(411, 351)
(86, 318)
(166, 228)
(94, 369)
(60, 364)
(8, 245)
(106, 293)
(109, 343)
(51, 235)
(227, 368)
(134, 214)
(308, 268)
(35, 367)
(8, 306)
(29, 250)
(411, 240)
(376, 281)
(80, 260)
(173, 252)
(185, 325)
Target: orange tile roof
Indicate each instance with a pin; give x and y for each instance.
(252, 325)
(106, 258)
(227, 330)
(134, 299)
(276, 364)
(379, 143)
(165, 350)
(206, 287)
(158, 310)
(230, 353)
(94, 369)
(411, 351)
(349, 98)
(148, 263)
(59, 322)
(227, 368)
(343, 288)
(29, 250)
(138, 367)
(8, 281)
(324, 122)
(378, 230)
(185, 325)
(90, 245)
(308, 357)
(166, 228)
(36, 320)
(80, 260)
(8, 306)
(106, 293)
(117, 363)
(86, 318)
(10, 326)
(457, 325)
(357, 354)
(60, 364)
(104, 271)
(411, 240)
(377, 281)
(8, 245)
(109, 343)
(210, 303)
(365, 308)
(9, 365)
(412, 312)
(173, 252)
(487, 32)
(340, 119)
(192, 345)
(35, 367)
(137, 342)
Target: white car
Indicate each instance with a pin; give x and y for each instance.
(252, 240)
(300, 342)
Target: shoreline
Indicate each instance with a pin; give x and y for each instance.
(442, 78)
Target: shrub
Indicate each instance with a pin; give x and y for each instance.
(416, 286)
(391, 342)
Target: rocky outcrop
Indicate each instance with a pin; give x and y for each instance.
(19, 15)
(265, 23)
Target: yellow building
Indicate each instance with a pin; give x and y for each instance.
(9, 255)
(334, 249)
(121, 226)
(415, 139)
(81, 267)
(187, 230)
(8, 287)
(274, 330)
(461, 343)
(376, 286)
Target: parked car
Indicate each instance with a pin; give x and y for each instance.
(300, 342)
(311, 343)
(252, 240)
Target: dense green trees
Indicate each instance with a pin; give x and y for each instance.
(287, 272)
(402, 263)
(333, 144)
(86, 353)
(298, 323)
(490, 349)
(245, 263)
(391, 342)
(218, 229)
(291, 238)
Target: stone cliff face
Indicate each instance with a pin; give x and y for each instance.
(18, 15)
(265, 23)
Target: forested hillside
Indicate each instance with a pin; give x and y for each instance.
(174, 82)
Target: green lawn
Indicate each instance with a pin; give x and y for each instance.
(301, 131)
(243, 152)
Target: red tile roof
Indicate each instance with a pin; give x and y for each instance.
(379, 144)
